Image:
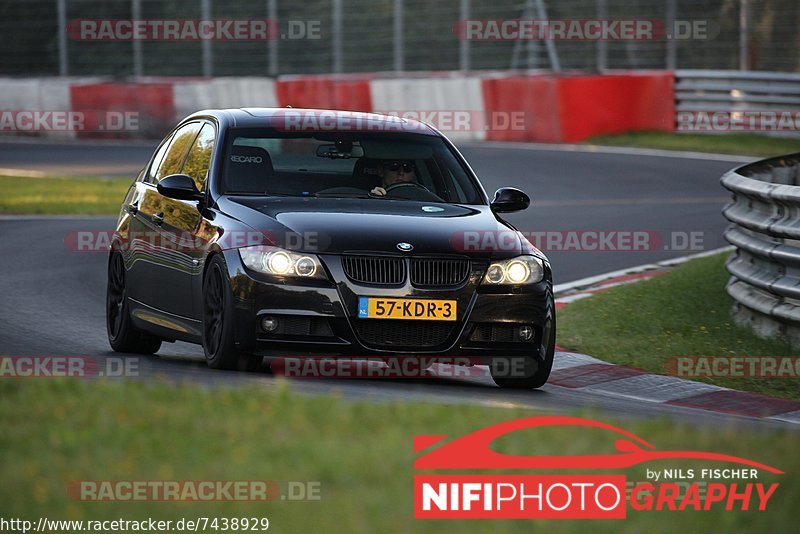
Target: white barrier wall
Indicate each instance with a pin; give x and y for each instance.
(223, 93)
(37, 94)
(448, 100)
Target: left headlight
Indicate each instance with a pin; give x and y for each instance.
(515, 271)
(280, 262)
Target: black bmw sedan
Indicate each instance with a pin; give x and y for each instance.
(264, 232)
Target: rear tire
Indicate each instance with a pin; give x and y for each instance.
(122, 334)
(503, 375)
(219, 343)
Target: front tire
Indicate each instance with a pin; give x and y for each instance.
(219, 344)
(122, 334)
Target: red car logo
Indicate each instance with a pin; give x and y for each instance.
(473, 452)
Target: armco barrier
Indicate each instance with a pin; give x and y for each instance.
(735, 92)
(765, 229)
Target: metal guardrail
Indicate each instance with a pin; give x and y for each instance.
(727, 90)
(765, 229)
(733, 91)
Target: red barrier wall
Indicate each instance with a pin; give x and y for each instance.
(544, 107)
(534, 97)
(574, 108)
(326, 93)
(609, 104)
(152, 102)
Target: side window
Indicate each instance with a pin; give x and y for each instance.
(199, 158)
(176, 153)
(159, 155)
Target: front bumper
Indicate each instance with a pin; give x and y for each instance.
(322, 317)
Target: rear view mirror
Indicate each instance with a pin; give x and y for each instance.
(508, 199)
(340, 150)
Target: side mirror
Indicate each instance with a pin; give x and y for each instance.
(508, 199)
(180, 187)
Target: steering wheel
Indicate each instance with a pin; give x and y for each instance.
(407, 184)
(419, 192)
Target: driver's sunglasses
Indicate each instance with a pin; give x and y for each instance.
(396, 166)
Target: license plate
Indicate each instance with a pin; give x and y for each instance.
(390, 308)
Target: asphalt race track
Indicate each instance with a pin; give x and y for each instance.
(53, 298)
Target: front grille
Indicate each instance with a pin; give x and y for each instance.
(438, 271)
(407, 334)
(425, 272)
(375, 269)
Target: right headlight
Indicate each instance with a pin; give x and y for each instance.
(515, 271)
(277, 261)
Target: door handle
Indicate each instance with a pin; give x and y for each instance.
(158, 219)
(133, 209)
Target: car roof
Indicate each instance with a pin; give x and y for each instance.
(314, 120)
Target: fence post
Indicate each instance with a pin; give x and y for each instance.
(602, 44)
(463, 47)
(550, 44)
(399, 41)
(336, 38)
(744, 33)
(672, 43)
(136, 14)
(531, 46)
(272, 15)
(63, 58)
(208, 59)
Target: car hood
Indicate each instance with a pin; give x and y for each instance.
(377, 225)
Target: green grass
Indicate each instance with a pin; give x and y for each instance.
(682, 313)
(743, 144)
(59, 431)
(61, 196)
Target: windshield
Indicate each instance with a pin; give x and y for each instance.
(359, 165)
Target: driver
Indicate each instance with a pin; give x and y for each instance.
(395, 172)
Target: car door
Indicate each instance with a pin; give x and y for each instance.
(185, 227)
(136, 241)
(164, 257)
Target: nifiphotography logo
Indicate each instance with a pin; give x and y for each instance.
(725, 483)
